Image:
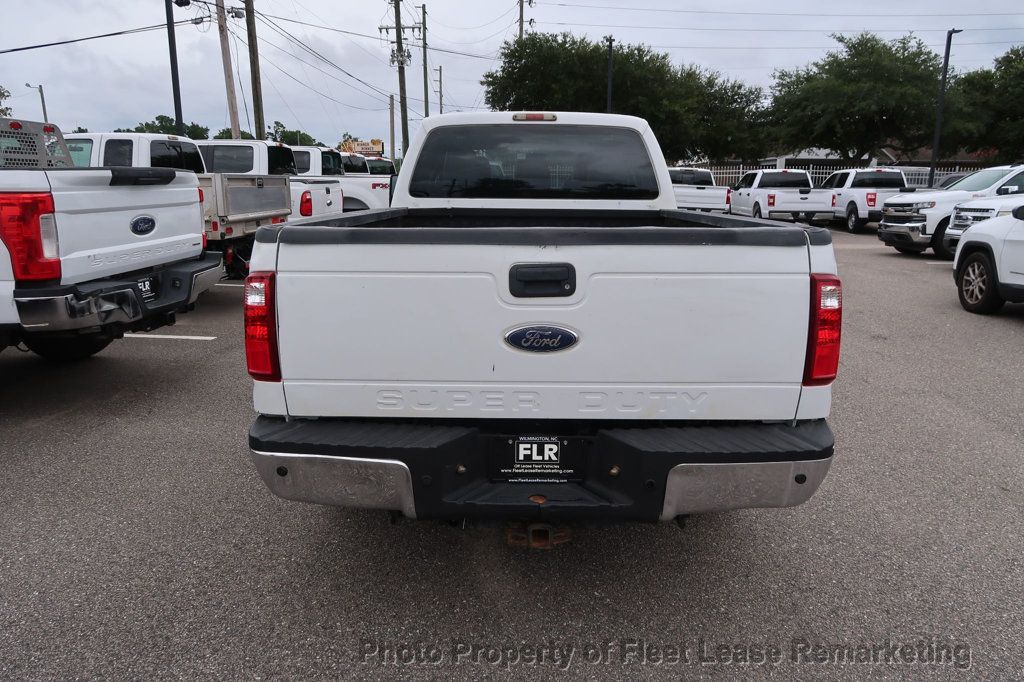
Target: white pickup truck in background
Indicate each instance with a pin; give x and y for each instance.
(917, 220)
(859, 193)
(87, 254)
(695, 189)
(234, 205)
(363, 190)
(970, 213)
(770, 193)
(496, 344)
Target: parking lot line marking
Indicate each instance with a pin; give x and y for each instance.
(170, 336)
(224, 284)
(939, 262)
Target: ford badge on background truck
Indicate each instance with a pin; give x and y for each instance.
(552, 342)
(87, 254)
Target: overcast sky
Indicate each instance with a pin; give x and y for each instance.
(120, 81)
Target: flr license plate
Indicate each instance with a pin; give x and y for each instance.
(537, 459)
(148, 288)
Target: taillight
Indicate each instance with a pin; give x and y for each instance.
(872, 198)
(523, 116)
(771, 200)
(214, 226)
(277, 221)
(825, 330)
(833, 201)
(204, 240)
(200, 195)
(306, 204)
(260, 328)
(29, 231)
(728, 196)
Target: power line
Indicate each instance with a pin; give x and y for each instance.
(125, 32)
(701, 29)
(798, 47)
(496, 19)
(777, 14)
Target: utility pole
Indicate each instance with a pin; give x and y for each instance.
(520, 19)
(400, 56)
(179, 125)
(254, 69)
(440, 91)
(426, 70)
(225, 58)
(939, 105)
(611, 42)
(391, 125)
(42, 100)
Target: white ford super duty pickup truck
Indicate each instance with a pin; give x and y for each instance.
(548, 342)
(858, 194)
(917, 220)
(989, 263)
(695, 189)
(87, 254)
(364, 189)
(234, 205)
(771, 193)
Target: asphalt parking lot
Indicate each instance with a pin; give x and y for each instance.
(137, 540)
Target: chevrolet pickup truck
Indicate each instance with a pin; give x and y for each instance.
(695, 189)
(916, 221)
(234, 205)
(858, 194)
(770, 193)
(551, 342)
(87, 254)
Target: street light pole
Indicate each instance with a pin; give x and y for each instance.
(179, 124)
(939, 105)
(42, 100)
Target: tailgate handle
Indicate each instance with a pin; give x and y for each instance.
(128, 175)
(542, 280)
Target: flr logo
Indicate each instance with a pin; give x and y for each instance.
(537, 452)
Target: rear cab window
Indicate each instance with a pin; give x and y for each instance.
(537, 161)
(280, 160)
(226, 158)
(700, 178)
(782, 180)
(331, 162)
(302, 161)
(175, 154)
(879, 179)
(117, 153)
(81, 152)
(355, 164)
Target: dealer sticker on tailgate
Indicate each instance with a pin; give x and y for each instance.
(535, 459)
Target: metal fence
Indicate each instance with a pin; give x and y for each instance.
(917, 176)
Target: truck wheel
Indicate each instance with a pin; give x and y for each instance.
(854, 224)
(67, 348)
(976, 285)
(907, 252)
(756, 213)
(938, 247)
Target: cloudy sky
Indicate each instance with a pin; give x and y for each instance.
(119, 81)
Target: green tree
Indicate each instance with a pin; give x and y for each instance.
(693, 112)
(868, 94)
(80, 129)
(4, 94)
(165, 125)
(225, 134)
(279, 133)
(985, 110)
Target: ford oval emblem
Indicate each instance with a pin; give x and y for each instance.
(143, 224)
(541, 338)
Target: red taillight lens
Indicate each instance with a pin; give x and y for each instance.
(872, 198)
(771, 200)
(825, 330)
(728, 196)
(15, 125)
(49, 129)
(200, 195)
(833, 201)
(276, 221)
(214, 226)
(306, 204)
(261, 328)
(29, 231)
(204, 240)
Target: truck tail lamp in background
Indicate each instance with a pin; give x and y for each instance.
(728, 196)
(825, 330)
(306, 204)
(872, 199)
(771, 201)
(29, 231)
(833, 200)
(261, 356)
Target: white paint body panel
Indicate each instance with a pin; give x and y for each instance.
(667, 332)
(1005, 237)
(787, 200)
(858, 196)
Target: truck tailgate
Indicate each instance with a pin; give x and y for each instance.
(795, 201)
(374, 325)
(700, 196)
(106, 230)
